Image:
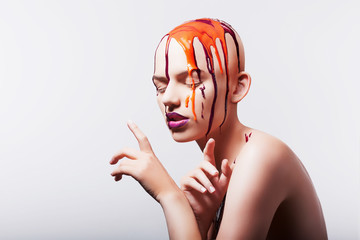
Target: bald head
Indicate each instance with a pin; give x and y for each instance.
(219, 41)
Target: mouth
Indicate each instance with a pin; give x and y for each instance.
(176, 120)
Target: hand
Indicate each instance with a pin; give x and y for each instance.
(143, 166)
(205, 189)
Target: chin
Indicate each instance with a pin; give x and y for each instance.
(184, 136)
(181, 138)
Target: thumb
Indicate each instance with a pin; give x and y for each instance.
(226, 172)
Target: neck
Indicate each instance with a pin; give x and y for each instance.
(229, 140)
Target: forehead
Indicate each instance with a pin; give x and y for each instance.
(172, 58)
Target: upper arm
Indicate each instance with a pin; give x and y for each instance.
(258, 185)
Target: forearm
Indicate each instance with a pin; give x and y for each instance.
(180, 218)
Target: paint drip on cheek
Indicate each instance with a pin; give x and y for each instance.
(202, 110)
(203, 91)
(187, 101)
(193, 98)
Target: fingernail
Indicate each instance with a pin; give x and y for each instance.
(203, 189)
(212, 189)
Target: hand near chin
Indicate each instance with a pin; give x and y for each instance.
(143, 166)
(205, 188)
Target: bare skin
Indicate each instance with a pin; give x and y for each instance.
(269, 194)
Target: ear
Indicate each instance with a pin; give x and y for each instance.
(241, 87)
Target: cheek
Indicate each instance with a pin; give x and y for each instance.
(204, 100)
(208, 110)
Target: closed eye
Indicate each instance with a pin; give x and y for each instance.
(160, 90)
(160, 83)
(196, 84)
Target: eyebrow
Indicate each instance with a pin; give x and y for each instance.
(159, 78)
(182, 75)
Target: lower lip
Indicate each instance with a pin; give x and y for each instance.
(177, 124)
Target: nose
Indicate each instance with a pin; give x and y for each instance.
(170, 97)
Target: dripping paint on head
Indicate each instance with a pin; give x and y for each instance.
(202, 90)
(207, 31)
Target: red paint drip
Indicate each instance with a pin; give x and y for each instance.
(247, 137)
(202, 110)
(202, 91)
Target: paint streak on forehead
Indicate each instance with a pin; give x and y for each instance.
(207, 31)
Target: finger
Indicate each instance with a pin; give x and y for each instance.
(118, 177)
(209, 168)
(125, 152)
(225, 168)
(191, 184)
(226, 172)
(201, 177)
(143, 141)
(126, 166)
(209, 151)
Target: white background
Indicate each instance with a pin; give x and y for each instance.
(73, 72)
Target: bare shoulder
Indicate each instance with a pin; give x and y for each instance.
(260, 182)
(261, 143)
(270, 191)
(263, 151)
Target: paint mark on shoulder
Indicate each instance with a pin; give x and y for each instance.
(247, 137)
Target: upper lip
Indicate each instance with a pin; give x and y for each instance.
(173, 116)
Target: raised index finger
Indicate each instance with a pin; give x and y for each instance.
(209, 151)
(143, 141)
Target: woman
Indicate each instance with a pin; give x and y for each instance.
(250, 185)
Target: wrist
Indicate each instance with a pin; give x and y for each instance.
(179, 216)
(174, 195)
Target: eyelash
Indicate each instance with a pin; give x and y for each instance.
(162, 90)
(196, 84)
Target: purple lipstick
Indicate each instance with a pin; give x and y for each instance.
(176, 120)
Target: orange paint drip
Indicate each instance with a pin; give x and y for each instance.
(193, 98)
(207, 31)
(187, 101)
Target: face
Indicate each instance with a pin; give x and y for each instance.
(193, 106)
